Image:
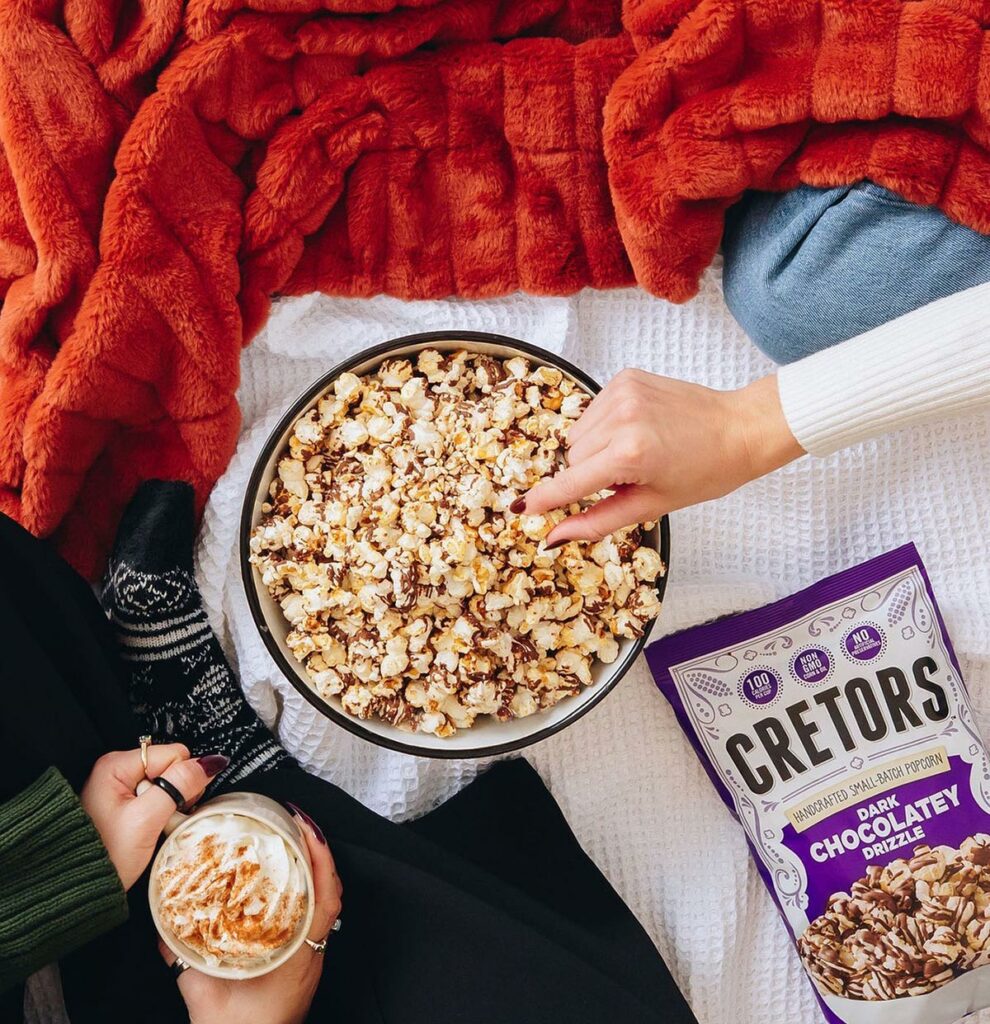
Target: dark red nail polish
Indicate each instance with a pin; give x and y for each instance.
(318, 832)
(556, 544)
(518, 506)
(213, 764)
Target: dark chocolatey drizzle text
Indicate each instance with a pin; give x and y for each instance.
(783, 746)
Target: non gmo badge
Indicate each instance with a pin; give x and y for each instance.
(760, 687)
(811, 665)
(865, 642)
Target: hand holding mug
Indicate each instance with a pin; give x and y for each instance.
(131, 825)
(282, 996)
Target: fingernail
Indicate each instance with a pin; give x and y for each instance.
(213, 764)
(317, 831)
(556, 544)
(518, 506)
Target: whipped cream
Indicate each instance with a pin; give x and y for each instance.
(231, 889)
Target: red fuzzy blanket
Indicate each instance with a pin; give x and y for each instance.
(168, 166)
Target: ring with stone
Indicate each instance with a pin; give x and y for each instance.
(321, 946)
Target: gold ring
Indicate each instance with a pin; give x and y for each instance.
(321, 946)
(145, 742)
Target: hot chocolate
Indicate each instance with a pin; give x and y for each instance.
(231, 889)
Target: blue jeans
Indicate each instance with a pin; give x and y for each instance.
(809, 268)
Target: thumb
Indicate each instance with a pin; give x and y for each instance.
(632, 504)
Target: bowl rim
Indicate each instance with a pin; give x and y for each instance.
(353, 725)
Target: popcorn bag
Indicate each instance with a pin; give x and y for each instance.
(836, 727)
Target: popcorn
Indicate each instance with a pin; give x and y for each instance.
(572, 406)
(396, 659)
(546, 375)
(293, 476)
(647, 564)
(534, 527)
(476, 491)
(352, 433)
(394, 373)
(523, 703)
(893, 935)
(347, 387)
(415, 596)
(413, 396)
(517, 367)
(308, 429)
(425, 435)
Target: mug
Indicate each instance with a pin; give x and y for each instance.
(273, 816)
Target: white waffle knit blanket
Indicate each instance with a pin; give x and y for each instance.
(626, 779)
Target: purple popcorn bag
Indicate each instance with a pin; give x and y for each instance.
(836, 727)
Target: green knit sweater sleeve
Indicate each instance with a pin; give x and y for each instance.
(58, 888)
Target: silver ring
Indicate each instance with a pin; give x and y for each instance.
(179, 967)
(321, 946)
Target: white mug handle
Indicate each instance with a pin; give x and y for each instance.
(174, 821)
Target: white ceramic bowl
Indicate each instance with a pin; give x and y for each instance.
(487, 736)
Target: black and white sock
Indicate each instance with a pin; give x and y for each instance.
(180, 682)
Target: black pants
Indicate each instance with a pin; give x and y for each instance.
(485, 911)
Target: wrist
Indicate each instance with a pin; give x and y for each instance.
(761, 436)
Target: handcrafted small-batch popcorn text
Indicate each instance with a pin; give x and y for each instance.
(414, 593)
(836, 726)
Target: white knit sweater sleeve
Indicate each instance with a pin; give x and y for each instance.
(930, 363)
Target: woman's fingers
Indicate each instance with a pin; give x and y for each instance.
(126, 765)
(591, 418)
(590, 444)
(327, 886)
(189, 777)
(572, 484)
(631, 504)
(612, 404)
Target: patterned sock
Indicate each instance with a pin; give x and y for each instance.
(180, 682)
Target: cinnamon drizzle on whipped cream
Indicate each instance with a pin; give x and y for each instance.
(231, 889)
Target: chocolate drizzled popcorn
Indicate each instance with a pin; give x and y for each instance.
(907, 928)
(414, 594)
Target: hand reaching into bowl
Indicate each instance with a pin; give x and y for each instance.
(662, 444)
